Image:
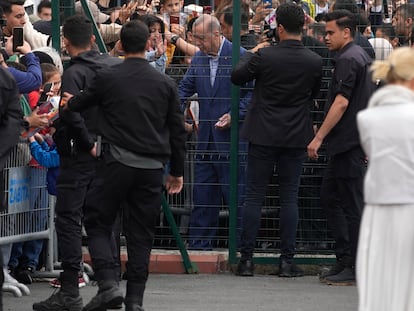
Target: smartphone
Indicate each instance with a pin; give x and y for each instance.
(174, 19)
(17, 38)
(43, 97)
(267, 3)
(45, 107)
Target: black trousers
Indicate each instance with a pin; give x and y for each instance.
(1, 280)
(139, 192)
(342, 200)
(74, 180)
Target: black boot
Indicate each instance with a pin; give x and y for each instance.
(337, 268)
(133, 304)
(245, 267)
(67, 298)
(109, 296)
(345, 278)
(289, 269)
(134, 293)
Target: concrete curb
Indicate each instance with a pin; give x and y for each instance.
(208, 262)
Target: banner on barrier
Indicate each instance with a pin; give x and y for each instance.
(19, 190)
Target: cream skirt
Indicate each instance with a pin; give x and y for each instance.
(385, 260)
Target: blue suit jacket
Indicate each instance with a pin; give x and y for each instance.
(214, 101)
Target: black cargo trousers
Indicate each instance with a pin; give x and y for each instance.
(76, 174)
(139, 192)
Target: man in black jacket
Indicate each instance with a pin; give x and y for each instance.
(142, 129)
(75, 139)
(278, 127)
(11, 117)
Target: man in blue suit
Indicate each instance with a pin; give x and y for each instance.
(209, 77)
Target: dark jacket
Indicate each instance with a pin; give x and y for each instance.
(139, 111)
(80, 127)
(214, 101)
(11, 115)
(287, 77)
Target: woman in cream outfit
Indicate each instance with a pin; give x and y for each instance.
(385, 261)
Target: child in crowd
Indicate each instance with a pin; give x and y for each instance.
(156, 55)
(175, 20)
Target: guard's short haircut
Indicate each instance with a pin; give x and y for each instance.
(78, 30)
(343, 19)
(292, 17)
(7, 4)
(134, 36)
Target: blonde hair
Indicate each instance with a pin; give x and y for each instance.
(399, 66)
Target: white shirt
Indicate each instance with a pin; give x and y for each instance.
(386, 131)
(214, 62)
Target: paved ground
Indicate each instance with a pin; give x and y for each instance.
(221, 292)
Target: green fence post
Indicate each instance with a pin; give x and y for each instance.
(67, 6)
(68, 9)
(56, 25)
(99, 40)
(189, 266)
(234, 147)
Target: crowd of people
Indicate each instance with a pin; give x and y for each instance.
(119, 141)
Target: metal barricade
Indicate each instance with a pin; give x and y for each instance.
(28, 213)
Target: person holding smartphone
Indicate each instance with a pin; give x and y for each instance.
(24, 258)
(28, 80)
(15, 15)
(175, 21)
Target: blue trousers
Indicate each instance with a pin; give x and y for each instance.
(26, 254)
(211, 191)
(261, 160)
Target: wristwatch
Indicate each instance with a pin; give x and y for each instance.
(174, 39)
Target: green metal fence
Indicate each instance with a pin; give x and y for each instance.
(313, 234)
